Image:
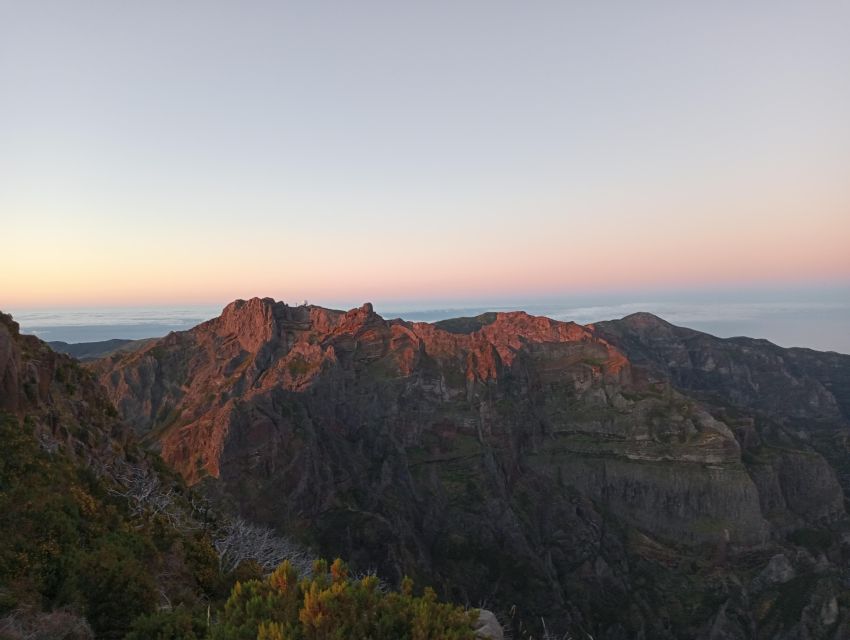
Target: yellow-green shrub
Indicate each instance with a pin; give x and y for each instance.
(332, 606)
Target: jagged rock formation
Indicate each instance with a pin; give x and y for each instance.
(625, 480)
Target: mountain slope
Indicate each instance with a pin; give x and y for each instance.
(510, 458)
(99, 541)
(801, 387)
(63, 401)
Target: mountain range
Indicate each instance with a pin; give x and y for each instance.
(628, 479)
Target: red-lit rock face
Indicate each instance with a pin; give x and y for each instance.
(234, 397)
(259, 345)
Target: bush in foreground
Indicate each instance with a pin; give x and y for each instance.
(332, 606)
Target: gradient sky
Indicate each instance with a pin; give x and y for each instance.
(188, 152)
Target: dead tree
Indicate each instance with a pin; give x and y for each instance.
(239, 541)
(146, 496)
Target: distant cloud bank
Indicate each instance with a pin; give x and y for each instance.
(818, 324)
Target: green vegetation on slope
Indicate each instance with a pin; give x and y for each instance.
(69, 543)
(73, 554)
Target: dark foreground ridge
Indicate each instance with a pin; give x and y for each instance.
(622, 480)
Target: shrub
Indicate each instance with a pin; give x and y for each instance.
(176, 624)
(115, 586)
(332, 606)
(71, 543)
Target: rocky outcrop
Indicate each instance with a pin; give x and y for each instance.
(799, 398)
(487, 626)
(779, 570)
(538, 465)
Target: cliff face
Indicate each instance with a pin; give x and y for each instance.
(581, 473)
(798, 395)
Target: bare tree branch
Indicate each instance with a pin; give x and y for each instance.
(240, 540)
(146, 495)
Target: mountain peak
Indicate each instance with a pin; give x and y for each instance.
(645, 319)
(253, 321)
(11, 325)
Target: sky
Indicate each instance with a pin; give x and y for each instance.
(189, 153)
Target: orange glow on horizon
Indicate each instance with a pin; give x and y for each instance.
(795, 236)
